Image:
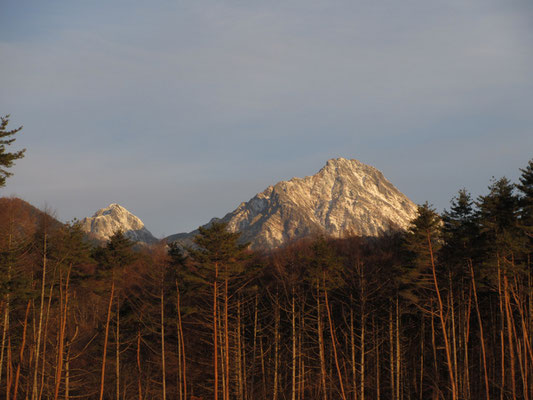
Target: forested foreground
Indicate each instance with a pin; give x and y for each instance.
(442, 311)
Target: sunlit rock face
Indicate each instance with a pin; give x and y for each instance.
(346, 197)
(105, 222)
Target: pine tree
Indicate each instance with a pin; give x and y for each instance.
(526, 199)
(7, 158)
(217, 257)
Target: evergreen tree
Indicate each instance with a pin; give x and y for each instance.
(460, 231)
(526, 199)
(499, 223)
(7, 158)
(422, 242)
(217, 258)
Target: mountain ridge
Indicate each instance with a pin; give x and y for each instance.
(345, 197)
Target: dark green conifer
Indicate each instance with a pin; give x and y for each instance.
(7, 158)
(526, 199)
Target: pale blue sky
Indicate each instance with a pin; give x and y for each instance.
(181, 110)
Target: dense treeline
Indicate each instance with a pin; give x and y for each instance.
(443, 311)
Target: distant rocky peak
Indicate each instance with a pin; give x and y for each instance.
(345, 197)
(106, 221)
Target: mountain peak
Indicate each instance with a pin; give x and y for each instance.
(346, 197)
(106, 221)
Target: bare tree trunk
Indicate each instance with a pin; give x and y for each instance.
(481, 334)
(238, 353)
(59, 368)
(117, 351)
(509, 333)
(434, 348)
(254, 349)
(398, 352)
(226, 332)
(263, 371)
(276, 350)
(22, 346)
(9, 368)
(293, 314)
(363, 350)
(215, 333)
(301, 363)
(376, 349)
(391, 354)
(333, 339)
(321, 343)
(422, 339)
(5, 329)
(163, 364)
(6, 312)
(139, 371)
(102, 377)
(39, 330)
(443, 321)
(454, 339)
(181, 350)
(352, 344)
(67, 373)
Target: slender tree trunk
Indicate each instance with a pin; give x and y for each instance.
(238, 353)
(333, 339)
(263, 370)
(6, 312)
(436, 387)
(301, 363)
(276, 350)
(509, 334)
(139, 371)
(321, 343)
(102, 377)
(5, 329)
(391, 354)
(398, 353)
(466, 331)
(22, 347)
(62, 334)
(502, 330)
(454, 338)
(45, 337)
(422, 340)
(163, 356)
(215, 334)
(443, 321)
(352, 345)
(39, 330)
(376, 350)
(182, 368)
(481, 334)
(293, 314)
(254, 349)
(363, 351)
(117, 351)
(226, 332)
(9, 369)
(67, 373)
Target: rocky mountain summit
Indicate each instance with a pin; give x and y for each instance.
(105, 222)
(345, 197)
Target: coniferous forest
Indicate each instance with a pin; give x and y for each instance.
(443, 311)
